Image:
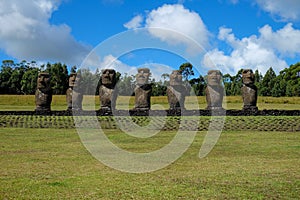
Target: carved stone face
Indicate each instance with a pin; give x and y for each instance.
(175, 78)
(43, 80)
(108, 77)
(74, 80)
(214, 77)
(248, 76)
(142, 76)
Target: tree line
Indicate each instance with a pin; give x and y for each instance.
(21, 78)
(286, 83)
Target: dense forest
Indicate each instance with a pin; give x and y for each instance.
(20, 78)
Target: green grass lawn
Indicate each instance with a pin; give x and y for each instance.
(26, 102)
(53, 164)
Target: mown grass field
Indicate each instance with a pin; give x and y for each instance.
(53, 164)
(256, 157)
(26, 102)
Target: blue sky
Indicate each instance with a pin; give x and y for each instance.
(211, 34)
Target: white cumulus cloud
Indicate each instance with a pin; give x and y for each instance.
(285, 9)
(286, 40)
(134, 22)
(187, 25)
(256, 52)
(27, 34)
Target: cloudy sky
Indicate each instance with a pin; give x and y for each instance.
(232, 34)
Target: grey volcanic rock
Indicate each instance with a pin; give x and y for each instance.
(143, 90)
(214, 90)
(108, 91)
(249, 90)
(177, 91)
(43, 93)
(73, 95)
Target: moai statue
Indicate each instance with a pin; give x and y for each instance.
(249, 90)
(214, 90)
(107, 91)
(74, 95)
(142, 90)
(43, 93)
(177, 91)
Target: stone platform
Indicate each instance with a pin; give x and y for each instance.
(158, 113)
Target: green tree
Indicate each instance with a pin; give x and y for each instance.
(18, 78)
(291, 76)
(8, 63)
(257, 80)
(98, 80)
(15, 80)
(186, 70)
(126, 85)
(228, 82)
(73, 69)
(236, 82)
(158, 88)
(29, 80)
(280, 85)
(89, 81)
(59, 77)
(198, 85)
(17, 75)
(268, 83)
(5, 74)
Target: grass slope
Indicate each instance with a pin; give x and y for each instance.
(233, 123)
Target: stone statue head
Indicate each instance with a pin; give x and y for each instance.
(248, 77)
(142, 76)
(176, 77)
(74, 79)
(214, 77)
(43, 81)
(108, 77)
